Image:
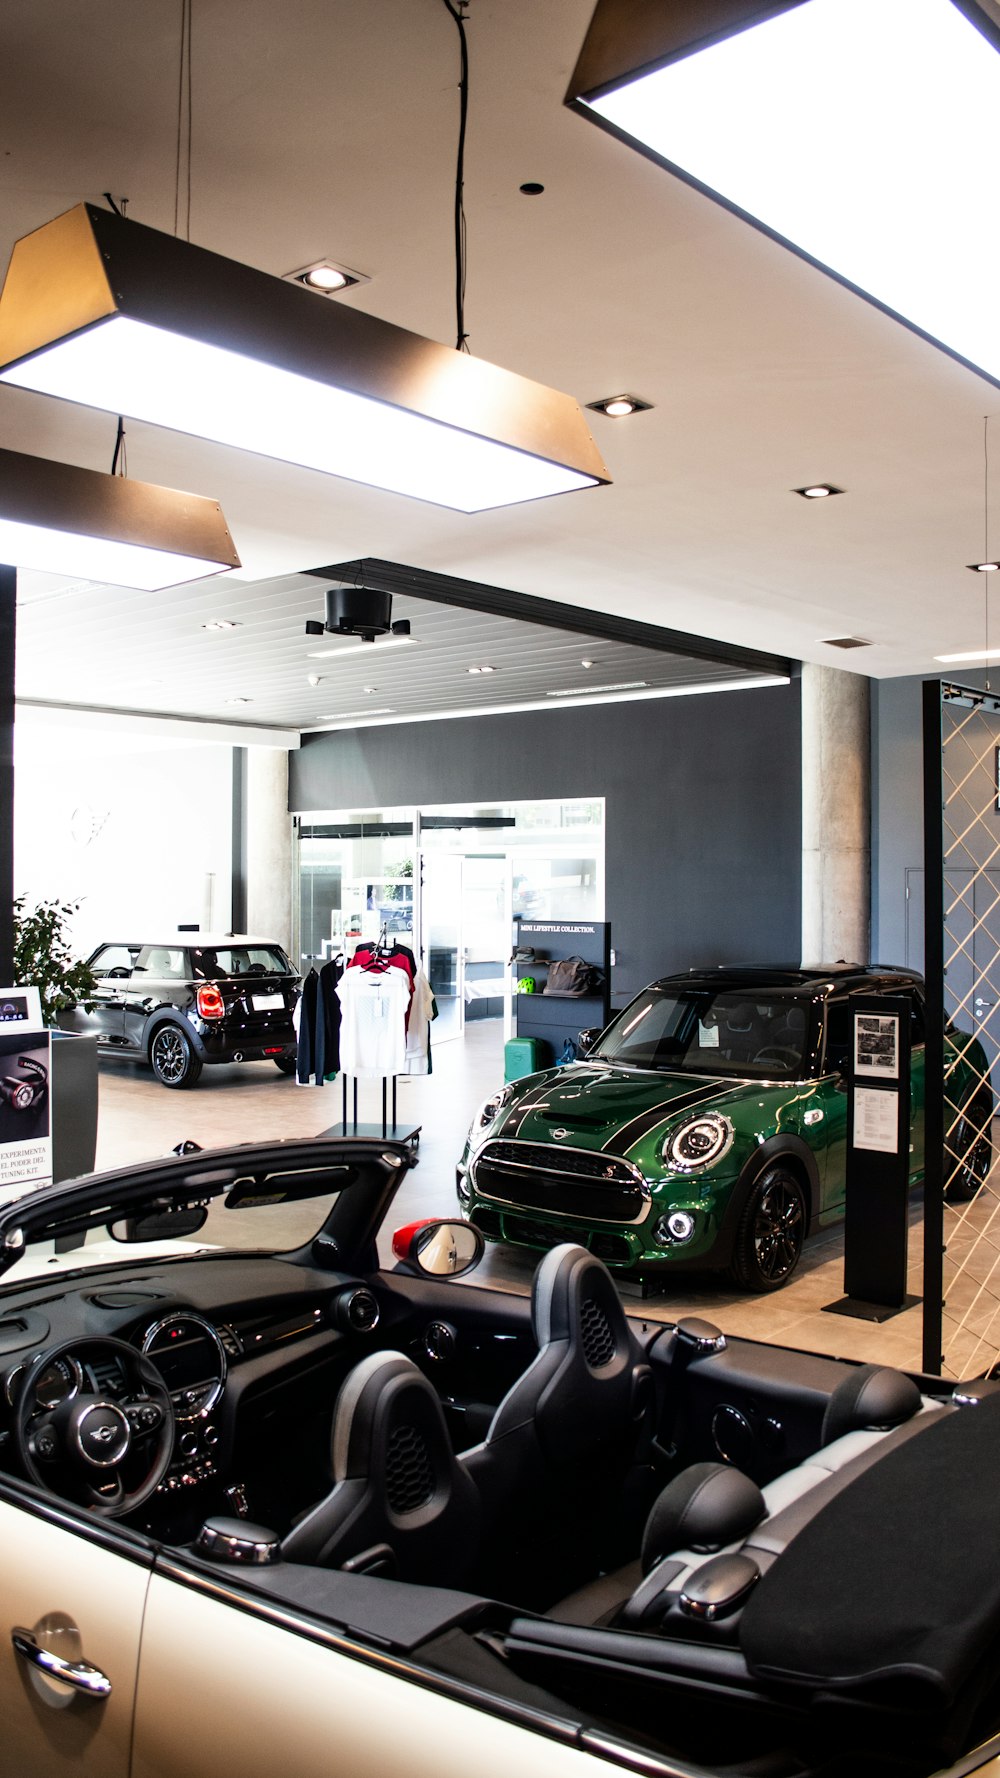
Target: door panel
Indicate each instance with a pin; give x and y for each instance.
(223, 1694)
(83, 1602)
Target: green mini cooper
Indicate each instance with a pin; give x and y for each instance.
(706, 1126)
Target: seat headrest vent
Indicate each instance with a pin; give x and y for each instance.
(409, 1475)
(596, 1335)
(706, 1506)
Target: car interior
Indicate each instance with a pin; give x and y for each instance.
(631, 1532)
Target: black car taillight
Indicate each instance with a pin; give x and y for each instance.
(209, 1001)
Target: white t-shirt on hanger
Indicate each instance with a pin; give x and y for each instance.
(373, 1021)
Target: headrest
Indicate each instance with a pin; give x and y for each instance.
(574, 1298)
(706, 1506)
(739, 1016)
(388, 1413)
(872, 1396)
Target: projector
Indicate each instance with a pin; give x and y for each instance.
(358, 611)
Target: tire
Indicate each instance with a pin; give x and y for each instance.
(172, 1057)
(284, 1064)
(975, 1151)
(771, 1232)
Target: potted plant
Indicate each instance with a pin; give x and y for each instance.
(43, 959)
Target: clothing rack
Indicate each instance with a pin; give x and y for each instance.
(354, 1079)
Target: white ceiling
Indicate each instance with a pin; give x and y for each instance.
(327, 128)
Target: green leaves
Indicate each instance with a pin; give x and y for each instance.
(43, 959)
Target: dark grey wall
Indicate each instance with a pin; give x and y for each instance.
(703, 849)
(898, 817)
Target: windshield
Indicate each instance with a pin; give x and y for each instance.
(239, 960)
(753, 1033)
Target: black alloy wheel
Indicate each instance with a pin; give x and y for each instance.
(284, 1064)
(771, 1232)
(973, 1144)
(172, 1057)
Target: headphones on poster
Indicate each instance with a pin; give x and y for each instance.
(26, 1090)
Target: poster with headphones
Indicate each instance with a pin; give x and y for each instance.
(25, 1102)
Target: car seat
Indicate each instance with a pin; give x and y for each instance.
(401, 1504)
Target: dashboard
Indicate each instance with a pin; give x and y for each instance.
(251, 1350)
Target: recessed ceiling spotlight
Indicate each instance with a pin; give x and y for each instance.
(531, 189)
(326, 278)
(481, 669)
(846, 642)
(983, 567)
(617, 407)
(313, 679)
(586, 663)
(221, 623)
(239, 700)
(369, 690)
(817, 491)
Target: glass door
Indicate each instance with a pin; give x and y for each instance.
(440, 939)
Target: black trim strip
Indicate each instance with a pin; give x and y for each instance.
(472, 595)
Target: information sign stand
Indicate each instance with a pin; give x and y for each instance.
(876, 1218)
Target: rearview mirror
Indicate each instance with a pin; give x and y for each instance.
(442, 1249)
(160, 1224)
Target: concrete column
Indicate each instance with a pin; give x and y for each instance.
(836, 816)
(268, 845)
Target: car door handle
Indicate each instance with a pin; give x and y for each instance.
(983, 1002)
(79, 1674)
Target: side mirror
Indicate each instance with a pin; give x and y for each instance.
(442, 1249)
(586, 1039)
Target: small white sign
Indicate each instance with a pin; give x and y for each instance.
(876, 1045)
(267, 1002)
(21, 1006)
(876, 1120)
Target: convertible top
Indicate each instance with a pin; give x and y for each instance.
(897, 1578)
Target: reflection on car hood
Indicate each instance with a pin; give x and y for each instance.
(596, 1101)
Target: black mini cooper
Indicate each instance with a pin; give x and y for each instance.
(192, 999)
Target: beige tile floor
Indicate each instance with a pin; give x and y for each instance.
(140, 1120)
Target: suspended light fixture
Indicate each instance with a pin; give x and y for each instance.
(108, 528)
(114, 315)
(861, 133)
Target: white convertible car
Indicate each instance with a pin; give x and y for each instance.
(266, 1509)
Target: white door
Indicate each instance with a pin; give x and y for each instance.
(67, 1599)
(224, 1694)
(442, 950)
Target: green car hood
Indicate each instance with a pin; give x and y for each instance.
(600, 1105)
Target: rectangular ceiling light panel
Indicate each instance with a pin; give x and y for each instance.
(862, 132)
(110, 314)
(107, 528)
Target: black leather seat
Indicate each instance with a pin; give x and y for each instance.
(401, 1503)
(564, 1437)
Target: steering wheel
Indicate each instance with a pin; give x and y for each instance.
(776, 1052)
(109, 1451)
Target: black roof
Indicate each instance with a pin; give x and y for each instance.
(819, 979)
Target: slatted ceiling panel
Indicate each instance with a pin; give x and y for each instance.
(119, 649)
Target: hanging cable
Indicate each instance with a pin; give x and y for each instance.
(183, 94)
(119, 462)
(457, 10)
(120, 207)
(986, 523)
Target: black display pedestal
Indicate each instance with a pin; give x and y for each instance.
(877, 1160)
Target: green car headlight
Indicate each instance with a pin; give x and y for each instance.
(699, 1142)
(488, 1111)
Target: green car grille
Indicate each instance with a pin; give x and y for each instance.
(564, 1181)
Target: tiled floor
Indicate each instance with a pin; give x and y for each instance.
(140, 1119)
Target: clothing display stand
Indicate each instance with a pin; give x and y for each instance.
(409, 1133)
